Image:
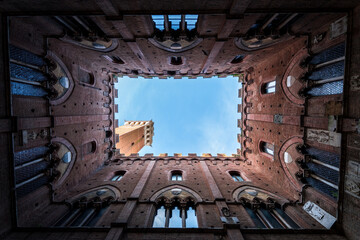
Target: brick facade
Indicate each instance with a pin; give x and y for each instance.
(66, 162)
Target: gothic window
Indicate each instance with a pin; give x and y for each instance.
(264, 211)
(268, 87)
(89, 147)
(177, 214)
(88, 209)
(63, 156)
(118, 176)
(236, 176)
(176, 176)
(175, 22)
(267, 148)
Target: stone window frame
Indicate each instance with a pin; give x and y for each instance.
(233, 172)
(118, 175)
(263, 84)
(91, 75)
(262, 152)
(176, 173)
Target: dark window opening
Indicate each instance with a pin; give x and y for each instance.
(118, 176)
(236, 176)
(176, 176)
(114, 59)
(108, 134)
(86, 77)
(175, 216)
(176, 61)
(238, 59)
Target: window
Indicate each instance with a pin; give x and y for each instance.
(86, 77)
(176, 61)
(89, 147)
(268, 87)
(175, 22)
(236, 176)
(176, 176)
(267, 148)
(238, 59)
(87, 209)
(264, 211)
(176, 215)
(118, 176)
(114, 59)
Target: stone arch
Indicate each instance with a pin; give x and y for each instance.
(66, 172)
(113, 193)
(294, 70)
(290, 174)
(61, 68)
(92, 45)
(165, 192)
(243, 191)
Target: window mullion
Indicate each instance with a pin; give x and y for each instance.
(263, 218)
(167, 216)
(88, 216)
(183, 216)
(71, 218)
(280, 219)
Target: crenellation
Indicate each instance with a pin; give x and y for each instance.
(70, 171)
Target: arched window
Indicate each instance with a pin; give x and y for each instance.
(118, 176)
(267, 148)
(176, 176)
(264, 211)
(176, 215)
(236, 176)
(268, 87)
(87, 209)
(114, 59)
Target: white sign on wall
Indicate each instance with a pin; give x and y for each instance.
(319, 214)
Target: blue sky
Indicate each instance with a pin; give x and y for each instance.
(190, 115)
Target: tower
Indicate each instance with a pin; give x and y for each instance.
(133, 136)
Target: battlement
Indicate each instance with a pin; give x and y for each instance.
(178, 156)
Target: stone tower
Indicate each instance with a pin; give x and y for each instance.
(133, 136)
